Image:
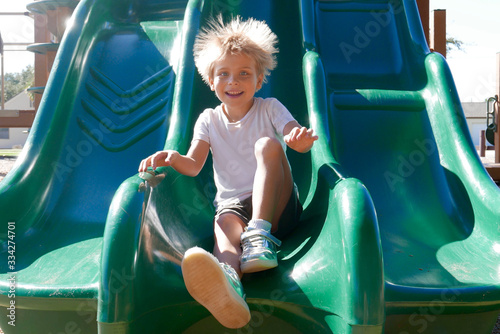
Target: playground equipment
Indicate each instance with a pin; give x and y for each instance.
(491, 122)
(50, 18)
(492, 136)
(400, 228)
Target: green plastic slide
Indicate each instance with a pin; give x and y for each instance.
(400, 229)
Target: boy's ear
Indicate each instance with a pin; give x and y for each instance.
(211, 83)
(260, 81)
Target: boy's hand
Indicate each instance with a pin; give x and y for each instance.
(159, 159)
(301, 139)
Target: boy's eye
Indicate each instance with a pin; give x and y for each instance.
(244, 73)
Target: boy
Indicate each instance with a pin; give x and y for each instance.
(256, 195)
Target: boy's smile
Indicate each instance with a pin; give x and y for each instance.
(235, 81)
(234, 94)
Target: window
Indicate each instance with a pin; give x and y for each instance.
(4, 133)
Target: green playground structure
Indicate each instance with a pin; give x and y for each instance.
(400, 232)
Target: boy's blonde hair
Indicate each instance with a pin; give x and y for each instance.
(252, 38)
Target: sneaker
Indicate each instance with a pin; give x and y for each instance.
(259, 250)
(216, 286)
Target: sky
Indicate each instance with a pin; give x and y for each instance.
(476, 25)
(16, 29)
(473, 23)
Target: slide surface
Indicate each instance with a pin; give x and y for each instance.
(395, 123)
(400, 228)
(106, 105)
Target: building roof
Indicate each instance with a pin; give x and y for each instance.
(21, 101)
(474, 109)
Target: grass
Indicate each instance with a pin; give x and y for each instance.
(10, 152)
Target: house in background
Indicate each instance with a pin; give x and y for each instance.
(475, 113)
(16, 137)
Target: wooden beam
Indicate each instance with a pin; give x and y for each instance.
(438, 31)
(17, 118)
(42, 35)
(424, 10)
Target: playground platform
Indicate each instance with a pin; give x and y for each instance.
(489, 163)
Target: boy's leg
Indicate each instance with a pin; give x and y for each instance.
(214, 280)
(272, 189)
(227, 231)
(273, 183)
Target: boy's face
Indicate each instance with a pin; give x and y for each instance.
(235, 81)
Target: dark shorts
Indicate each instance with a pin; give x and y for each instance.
(288, 221)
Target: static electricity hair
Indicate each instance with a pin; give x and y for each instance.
(252, 38)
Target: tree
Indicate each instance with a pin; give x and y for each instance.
(452, 43)
(15, 83)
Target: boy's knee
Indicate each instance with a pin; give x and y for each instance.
(266, 146)
(226, 221)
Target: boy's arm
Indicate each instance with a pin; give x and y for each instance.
(189, 164)
(298, 137)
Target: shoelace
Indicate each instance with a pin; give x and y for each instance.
(230, 271)
(236, 282)
(257, 238)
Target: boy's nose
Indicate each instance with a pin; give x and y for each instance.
(233, 79)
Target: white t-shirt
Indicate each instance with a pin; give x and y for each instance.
(232, 144)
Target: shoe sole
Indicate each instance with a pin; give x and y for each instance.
(209, 286)
(257, 265)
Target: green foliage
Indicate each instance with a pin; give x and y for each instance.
(15, 83)
(453, 44)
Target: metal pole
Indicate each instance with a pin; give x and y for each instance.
(497, 114)
(3, 80)
(3, 85)
(482, 143)
(15, 13)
